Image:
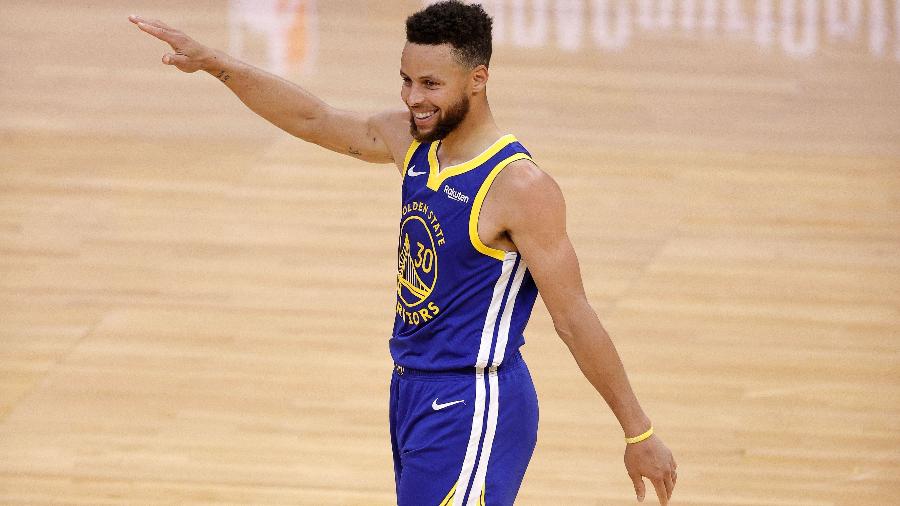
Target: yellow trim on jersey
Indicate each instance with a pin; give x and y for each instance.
(448, 500)
(499, 254)
(436, 176)
(409, 154)
(481, 499)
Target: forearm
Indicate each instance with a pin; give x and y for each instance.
(599, 361)
(281, 102)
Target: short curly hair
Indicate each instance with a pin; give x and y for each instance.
(467, 28)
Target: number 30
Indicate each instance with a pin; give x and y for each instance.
(424, 258)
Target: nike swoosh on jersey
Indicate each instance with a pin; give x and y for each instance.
(437, 407)
(413, 173)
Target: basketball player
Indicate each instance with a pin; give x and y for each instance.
(482, 230)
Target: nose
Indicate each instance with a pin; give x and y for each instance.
(414, 96)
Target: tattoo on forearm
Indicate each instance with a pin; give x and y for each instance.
(222, 76)
(353, 151)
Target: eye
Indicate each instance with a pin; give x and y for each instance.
(431, 84)
(407, 81)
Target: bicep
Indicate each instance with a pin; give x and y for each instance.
(537, 226)
(553, 264)
(376, 138)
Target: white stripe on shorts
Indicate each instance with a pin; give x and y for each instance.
(487, 334)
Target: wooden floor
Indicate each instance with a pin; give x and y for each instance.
(195, 307)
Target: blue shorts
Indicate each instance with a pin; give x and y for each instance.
(462, 438)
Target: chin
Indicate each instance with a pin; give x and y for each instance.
(424, 136)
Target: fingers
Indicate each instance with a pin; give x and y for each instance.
(157, 29)
(661, 492)
(153, 22)
(669, 479)
(670, 485)
(638, 486)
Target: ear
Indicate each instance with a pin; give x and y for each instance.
(479, 78)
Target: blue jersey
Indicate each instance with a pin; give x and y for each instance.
(460, 303)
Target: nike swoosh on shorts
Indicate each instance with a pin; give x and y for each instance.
(437, 407)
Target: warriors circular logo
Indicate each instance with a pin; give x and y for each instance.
(417, 262)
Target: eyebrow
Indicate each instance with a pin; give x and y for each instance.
(421, 78)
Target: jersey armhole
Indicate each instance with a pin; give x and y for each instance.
(481, 247)
(409, 154)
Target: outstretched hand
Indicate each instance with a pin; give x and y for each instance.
(652, 459)
(189, 55)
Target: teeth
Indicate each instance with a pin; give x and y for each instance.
(424, 115)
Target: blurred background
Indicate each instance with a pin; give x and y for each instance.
(195, 306)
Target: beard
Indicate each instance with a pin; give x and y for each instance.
(449, 120)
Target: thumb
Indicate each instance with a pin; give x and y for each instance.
(181, 62)
(638, 486)
(174, 59)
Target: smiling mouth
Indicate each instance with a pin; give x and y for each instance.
(424, 116)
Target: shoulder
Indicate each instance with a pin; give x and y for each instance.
(525, 196)
(523, 182)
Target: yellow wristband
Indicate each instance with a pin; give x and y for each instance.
(638, 439)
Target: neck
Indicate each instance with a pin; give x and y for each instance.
(468, 140)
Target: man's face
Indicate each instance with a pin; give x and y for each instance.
(435, 89)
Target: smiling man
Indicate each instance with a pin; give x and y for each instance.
(463, 409)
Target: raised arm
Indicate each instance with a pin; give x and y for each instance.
(378, 138)
(532, 212)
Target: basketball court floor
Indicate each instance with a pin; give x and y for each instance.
(195, 306)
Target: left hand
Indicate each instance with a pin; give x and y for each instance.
(652, 459)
